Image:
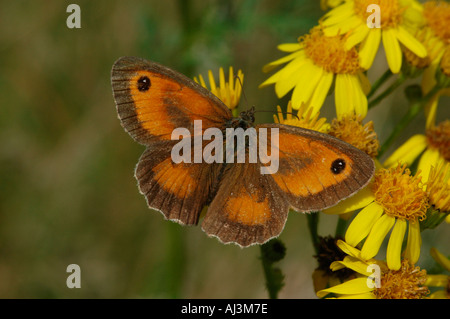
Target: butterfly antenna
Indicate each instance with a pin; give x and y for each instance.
(281, 112)
(242, 89)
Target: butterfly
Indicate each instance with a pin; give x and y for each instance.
(243, 206)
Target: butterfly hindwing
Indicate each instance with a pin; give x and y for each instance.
(247, 209)
(178, 191)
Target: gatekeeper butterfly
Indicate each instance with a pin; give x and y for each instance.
(244, 206)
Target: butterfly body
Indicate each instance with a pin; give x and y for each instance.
(245, 206)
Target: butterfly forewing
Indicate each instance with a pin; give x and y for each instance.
(316, 170)
(153, 100)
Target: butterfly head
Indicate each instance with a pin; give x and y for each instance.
(245, 119)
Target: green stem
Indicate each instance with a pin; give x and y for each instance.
(313, 224)
(413, 111)
(401, 78)
(271, 252)
(386, 76)
(341, 227)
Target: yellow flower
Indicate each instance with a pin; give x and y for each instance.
(228, 92)
(397, 17)
(438, 192)
(375, 280)
(313, 64)
(433, 149)
(394, 201)
(438, 187)
(434, 34)
(351, 130)
(440, 280)
(304, 118)
(436, 15)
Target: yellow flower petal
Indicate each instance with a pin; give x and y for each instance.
(338, 14)
(441, 294)
(363, 198)
(363, 223)
(288, 76)
(437, 281)
(352, 263)
(408, 152)
(340, 93)
(361, 104)
(212, 82)
(270, 66)
(349, 96)
(321, 91)
(369, 48)
(357, 36)
(306, 85)
(414, 241)
(394, 247)
(431, 157)
(289, 47)
(367, 295)
(409, 41)
(365, 83)
(440, 258)
(376, 236)
(272, 79)
(354, 286)
(349, 250)
(392, 49)
(431, 110)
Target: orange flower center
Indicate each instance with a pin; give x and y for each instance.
(351, 130)
(391, 12)
(329, 52)
(438, 137)
(437, 15)
(400, 194)
(406, 283)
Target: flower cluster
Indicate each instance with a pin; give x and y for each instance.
(410, 191)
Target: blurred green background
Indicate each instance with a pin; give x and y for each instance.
(67, 190)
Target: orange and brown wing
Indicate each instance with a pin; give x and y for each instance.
(247, 208)
(316, 170)
(178, 191)
(152, 100)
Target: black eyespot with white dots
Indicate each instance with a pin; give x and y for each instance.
(143, 83)
(338, 166)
